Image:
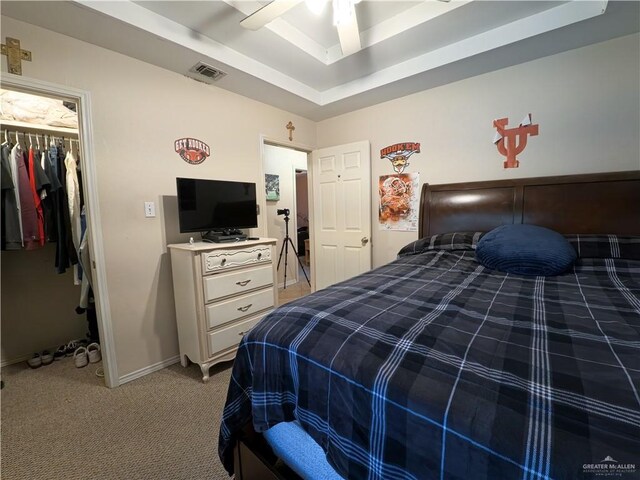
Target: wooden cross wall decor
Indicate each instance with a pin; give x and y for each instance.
(15, 55)
(291, 128)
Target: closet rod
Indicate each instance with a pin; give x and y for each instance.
(28, 136)
(41, 129)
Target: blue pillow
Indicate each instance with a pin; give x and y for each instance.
(525, 250)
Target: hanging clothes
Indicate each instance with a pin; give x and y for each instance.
(6, 186)
(73, 199)
(85, 262)
(41, 200)
(66, 254)
(13, 161)
(11, 231)
(6, 179)
(79, 173)
(34, 178)
(51, 201)
(28, 214)
(42, 179)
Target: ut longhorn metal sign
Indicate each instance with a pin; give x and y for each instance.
(512, 141)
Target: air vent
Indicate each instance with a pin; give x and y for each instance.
(204, 70)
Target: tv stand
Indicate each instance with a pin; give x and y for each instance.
(222, 236)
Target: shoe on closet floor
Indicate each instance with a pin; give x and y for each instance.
(73, 345)
(35, 361)
(47, 357)
(93, 352)
(80, 357)
(60, 353)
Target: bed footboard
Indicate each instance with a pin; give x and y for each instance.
(253, 459)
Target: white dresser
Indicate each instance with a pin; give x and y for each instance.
(221, 291)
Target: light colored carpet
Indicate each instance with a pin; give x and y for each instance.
(61, 422)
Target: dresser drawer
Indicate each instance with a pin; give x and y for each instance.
(225, 284)
(219, 260)
(230, 336)
(238, 307)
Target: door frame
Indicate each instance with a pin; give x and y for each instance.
(90, 181)
(266, 140)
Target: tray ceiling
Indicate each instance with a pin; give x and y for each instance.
(296, 63)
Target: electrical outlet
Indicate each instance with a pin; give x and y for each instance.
(149, 209)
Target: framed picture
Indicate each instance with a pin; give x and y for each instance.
(272, 186)
(399, 201)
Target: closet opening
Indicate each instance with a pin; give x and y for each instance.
(286, 188)
(53, 319)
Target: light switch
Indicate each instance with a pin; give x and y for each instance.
(149, 209)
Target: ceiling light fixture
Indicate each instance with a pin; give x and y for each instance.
(316, 6)
(343, 10)
(344, 19)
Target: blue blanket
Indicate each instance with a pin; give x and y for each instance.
(298, 450)
(434, 367)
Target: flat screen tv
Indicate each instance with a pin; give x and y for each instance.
(215, 205)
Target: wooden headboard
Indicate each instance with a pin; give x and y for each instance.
(592, 203)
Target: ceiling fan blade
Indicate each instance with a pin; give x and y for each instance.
(349, 34)
(268, 13)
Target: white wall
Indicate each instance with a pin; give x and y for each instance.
(586, 102)
(283, 162)
(138, 112)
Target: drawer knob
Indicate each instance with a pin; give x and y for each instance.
(243, 283)
(224, 260)
(245, 308)
(241, 333)
(259, 256)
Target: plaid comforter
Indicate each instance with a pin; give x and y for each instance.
(434, 367)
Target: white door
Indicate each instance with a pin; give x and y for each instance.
(341, 181)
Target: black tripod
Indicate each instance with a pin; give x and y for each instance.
(285, 249)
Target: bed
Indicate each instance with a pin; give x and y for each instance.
(433, 366)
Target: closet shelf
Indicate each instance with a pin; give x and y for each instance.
(37, 128)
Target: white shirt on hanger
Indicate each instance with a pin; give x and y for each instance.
(16, 153)
(73, 196)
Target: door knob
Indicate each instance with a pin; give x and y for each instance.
(364, 241)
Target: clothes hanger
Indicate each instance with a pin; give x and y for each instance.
(30, 141)
(38, 141)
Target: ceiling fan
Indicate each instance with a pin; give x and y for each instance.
(344, 19)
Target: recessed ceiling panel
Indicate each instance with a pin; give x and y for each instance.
(295, 62)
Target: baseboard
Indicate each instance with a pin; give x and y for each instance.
(24, 358)
(6, 363)
(147, 370)
(124, 379)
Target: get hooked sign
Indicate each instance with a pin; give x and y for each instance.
(192, 150)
